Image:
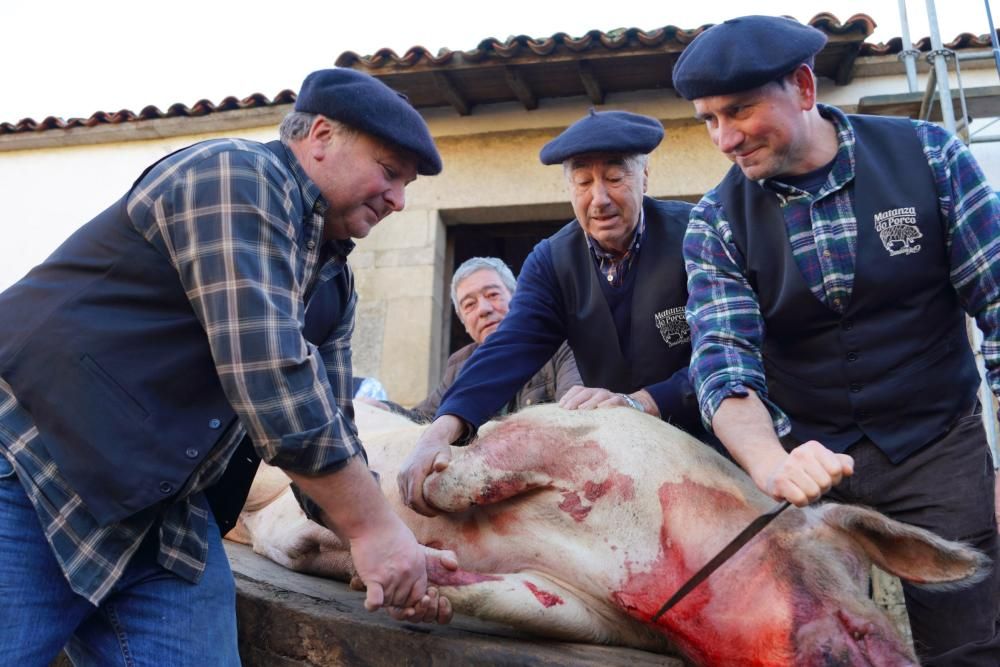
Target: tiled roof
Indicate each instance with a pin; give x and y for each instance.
(526, 69)
(493, 49)
(199, 108)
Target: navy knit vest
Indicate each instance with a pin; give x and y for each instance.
(101, 346)
(896, 366)
(659, 339)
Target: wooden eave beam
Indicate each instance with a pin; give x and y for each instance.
(451, 93)
(520, 88)
(590, 82)
(845, 67)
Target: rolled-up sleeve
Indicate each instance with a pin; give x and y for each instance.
(231, 224)
(727, 329)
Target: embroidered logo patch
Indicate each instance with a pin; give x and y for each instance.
(898, 230)
(673, 326)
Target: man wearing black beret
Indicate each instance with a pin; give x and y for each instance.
(829, 273)
(611, 283)
(198, 325)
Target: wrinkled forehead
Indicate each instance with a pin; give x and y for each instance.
(478, 281)
(599, 160)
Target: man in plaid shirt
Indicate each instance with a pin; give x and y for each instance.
(207, 312)
(829, 274)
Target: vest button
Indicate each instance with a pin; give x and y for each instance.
(214, 423)
(852, 356)
(855, 388)
(847, 324)
(191, 453)
(864, 414)
(166, 487)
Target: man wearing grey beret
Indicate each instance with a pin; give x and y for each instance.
(830, 272)
(198, 325)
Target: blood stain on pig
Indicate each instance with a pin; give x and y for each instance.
(560, 452)
(500, 488)
(644, 592)
(502, 522)
(573, 506)
(621, 484)
(470, 530)
(437, 574)
(547, 599)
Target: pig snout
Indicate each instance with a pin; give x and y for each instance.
(847, 639)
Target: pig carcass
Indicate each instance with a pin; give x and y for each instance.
(578, 525)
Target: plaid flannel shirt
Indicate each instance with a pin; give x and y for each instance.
(231, 218)
(726, 325)
(614, 268)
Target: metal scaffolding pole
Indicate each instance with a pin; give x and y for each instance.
(993, 34)
(909, 54)
(938, 56)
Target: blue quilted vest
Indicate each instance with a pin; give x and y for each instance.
(659, 340)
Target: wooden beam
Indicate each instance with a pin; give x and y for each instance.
(845, 68)
(451, 93)
(520, 88)
(590, 82)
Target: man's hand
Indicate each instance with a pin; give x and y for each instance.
(433, 607)
(393, 568)
(800, 477)
(432, 453)
(386, 556)
(803, 475)
(589, 398)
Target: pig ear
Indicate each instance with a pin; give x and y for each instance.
(908, 552)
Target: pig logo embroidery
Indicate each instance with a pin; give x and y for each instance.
(673, 326)
(898, 230)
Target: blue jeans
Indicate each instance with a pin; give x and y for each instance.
(151, 617)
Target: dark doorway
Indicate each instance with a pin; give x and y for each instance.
(510, 241)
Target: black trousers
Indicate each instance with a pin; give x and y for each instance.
(947, 488)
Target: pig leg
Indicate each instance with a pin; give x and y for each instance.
(514, 457)
(280, 531)
(470, 480)
(538, 605)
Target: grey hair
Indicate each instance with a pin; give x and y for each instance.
(296, 125)
(633, 163)
(473, 264)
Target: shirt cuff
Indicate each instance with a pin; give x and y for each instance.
(712, 399)
(676, 400)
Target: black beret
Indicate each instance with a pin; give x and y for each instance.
(744, 53)
(367, 104)
(604, 132)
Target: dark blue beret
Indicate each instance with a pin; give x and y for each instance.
(367, 104)
(744, 53)
(604, 132)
